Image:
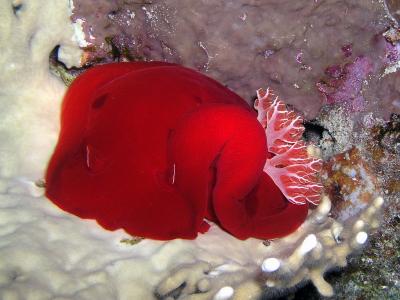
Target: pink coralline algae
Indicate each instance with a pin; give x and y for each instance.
(344, 83)
(391, 45)
(347, 50)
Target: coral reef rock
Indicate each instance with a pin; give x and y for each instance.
(244, 44)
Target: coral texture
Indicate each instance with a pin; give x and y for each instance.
(245, 44)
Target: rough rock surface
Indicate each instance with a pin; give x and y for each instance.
(246, 44)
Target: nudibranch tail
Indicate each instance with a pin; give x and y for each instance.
(293, 170)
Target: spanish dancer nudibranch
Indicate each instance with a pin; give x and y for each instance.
(160, 150)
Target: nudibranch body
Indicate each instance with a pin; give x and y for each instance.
(159, 150)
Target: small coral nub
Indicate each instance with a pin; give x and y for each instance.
(293, 170)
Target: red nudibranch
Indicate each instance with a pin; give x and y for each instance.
(157, 149)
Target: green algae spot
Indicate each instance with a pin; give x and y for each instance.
(131, 241)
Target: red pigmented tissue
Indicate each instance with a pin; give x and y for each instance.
(160, 151)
